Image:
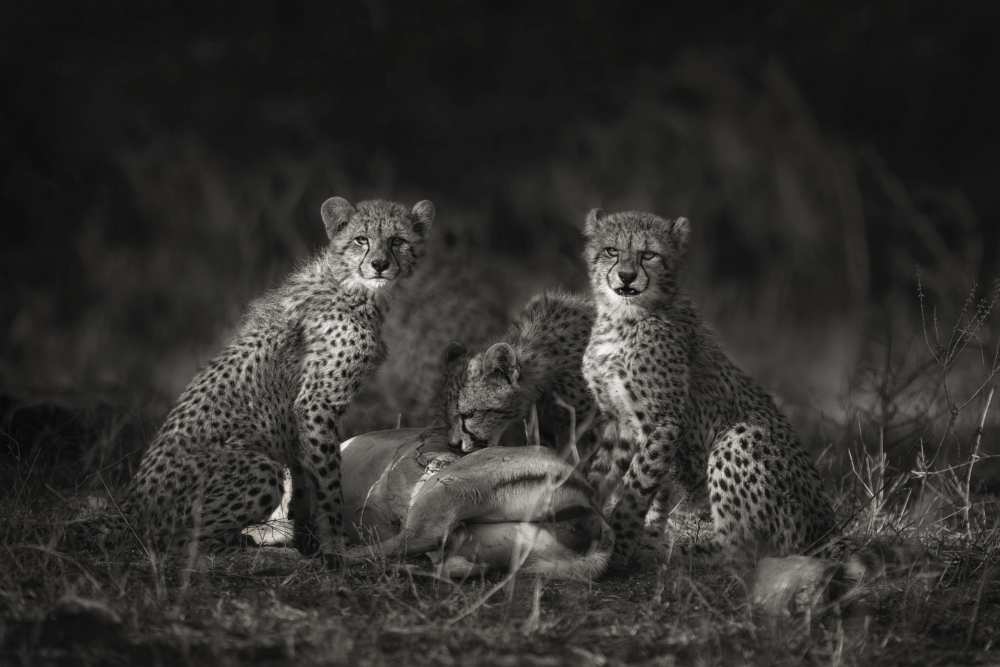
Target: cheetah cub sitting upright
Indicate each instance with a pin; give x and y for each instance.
(677, 415)
(273, 396)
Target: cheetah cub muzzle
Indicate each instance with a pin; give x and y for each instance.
(273, 397)
(677, 416)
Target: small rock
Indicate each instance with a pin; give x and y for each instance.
(795, 585)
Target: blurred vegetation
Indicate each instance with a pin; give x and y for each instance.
(165, 164)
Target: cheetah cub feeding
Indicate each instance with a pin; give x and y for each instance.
(537, 363)
(677, 415)
(272, 398)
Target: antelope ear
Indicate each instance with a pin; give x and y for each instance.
(453, 352)
(500, 361)
(594, 220)
(680, 230)
(336, 212)
(422, 216)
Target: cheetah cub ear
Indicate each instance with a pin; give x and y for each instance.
(680, 230)
(500, 361)
(594, 220)
(336, 212)
(422, 216)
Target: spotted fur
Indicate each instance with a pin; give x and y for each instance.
(536, 363)
(273, 396)
(677, 416)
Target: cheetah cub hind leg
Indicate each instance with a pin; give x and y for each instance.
(752, 475)
(241, 488)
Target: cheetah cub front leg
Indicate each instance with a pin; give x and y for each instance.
(342, 346)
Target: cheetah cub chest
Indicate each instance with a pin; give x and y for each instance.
(608, 367)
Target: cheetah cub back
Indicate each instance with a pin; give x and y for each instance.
(537, 362)
(274, 395)
(677, 416)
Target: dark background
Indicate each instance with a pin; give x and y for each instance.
(164, 162)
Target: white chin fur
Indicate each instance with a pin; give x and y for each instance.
(359, 282)
(617, 302)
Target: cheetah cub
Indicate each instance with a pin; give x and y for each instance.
(274, 395)
(537, 362)
(677, 416)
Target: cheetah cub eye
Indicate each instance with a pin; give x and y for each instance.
(361, 240)
(611, 252)
(648, 255)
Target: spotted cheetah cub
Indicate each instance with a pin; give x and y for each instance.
(536, 363)
(274, 395)
(677, 415)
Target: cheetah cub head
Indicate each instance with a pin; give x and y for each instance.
(376, 242)
(482, 395)
(634, 257)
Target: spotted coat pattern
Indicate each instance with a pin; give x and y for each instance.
(537, 363)
(677, 416)
(273, 396)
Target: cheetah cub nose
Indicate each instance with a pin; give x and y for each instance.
(380, 265)
(628, 277)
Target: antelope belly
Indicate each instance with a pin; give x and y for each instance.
(505, 546)
(531, 502)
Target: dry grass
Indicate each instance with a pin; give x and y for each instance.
(64, 606)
